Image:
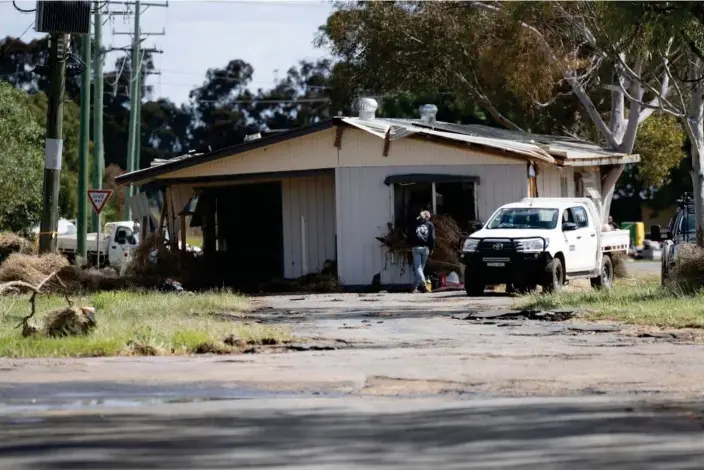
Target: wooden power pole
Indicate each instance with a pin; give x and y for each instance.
(98, 150)
(54, 143)
(83, 149)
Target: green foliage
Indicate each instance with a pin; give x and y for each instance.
(39, 103)
(660, 141)
(479, 57)
(21, 154)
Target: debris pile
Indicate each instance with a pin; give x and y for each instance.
(32, 269)
(324, 282)
(620, 267)
(687, 271)
(155, 265)
(12, 243)
(445, 257)
(67, 321)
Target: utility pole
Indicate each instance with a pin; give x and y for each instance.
(133, 140)
(83, 148)
(134, 78)
(54, 143)
(98, 151)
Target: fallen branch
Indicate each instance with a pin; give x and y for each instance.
(14, 285)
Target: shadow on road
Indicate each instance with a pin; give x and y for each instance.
(513, 436)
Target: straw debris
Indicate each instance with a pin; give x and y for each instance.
(445, 257)
(12, 243)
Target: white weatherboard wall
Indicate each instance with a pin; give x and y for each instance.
(550, 184)
(313, 198)
(364, 205)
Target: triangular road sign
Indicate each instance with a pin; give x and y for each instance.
(98, 198)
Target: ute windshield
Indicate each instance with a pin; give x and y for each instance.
(524, 218)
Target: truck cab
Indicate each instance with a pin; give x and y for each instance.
(541, 241)
(117, 242)
(681, 230)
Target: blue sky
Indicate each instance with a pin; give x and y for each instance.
(270, 35)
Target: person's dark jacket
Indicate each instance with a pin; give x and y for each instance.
(422, 233)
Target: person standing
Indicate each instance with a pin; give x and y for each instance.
(422, 239)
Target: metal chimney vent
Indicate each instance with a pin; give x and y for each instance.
(69, 17)
(428, 112)
(367, 108)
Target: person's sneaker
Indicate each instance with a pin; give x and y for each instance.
(415, 291)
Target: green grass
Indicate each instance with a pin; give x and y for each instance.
(136, 323)
(642, 302)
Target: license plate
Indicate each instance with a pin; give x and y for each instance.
(495, 264)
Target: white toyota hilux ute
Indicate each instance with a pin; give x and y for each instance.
(117, 242)
(542, 241)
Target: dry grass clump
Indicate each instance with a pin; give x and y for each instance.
(619, 262)
(12, 243)
(687, 271)
(66, 321)
(33, 269)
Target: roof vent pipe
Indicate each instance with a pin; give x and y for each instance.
(367, 108)
(428, 112)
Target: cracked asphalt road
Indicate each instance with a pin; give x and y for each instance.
(409, 384)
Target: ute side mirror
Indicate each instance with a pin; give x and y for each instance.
(569, 226)
(655, 233)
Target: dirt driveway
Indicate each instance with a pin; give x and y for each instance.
(393, 345)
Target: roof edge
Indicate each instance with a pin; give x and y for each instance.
(148, 174)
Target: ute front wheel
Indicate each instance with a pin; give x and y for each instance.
(472, 284)
(555, 276)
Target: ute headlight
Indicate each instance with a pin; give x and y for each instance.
(470, 245)
(531, 245)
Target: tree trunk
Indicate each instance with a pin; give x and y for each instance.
(698, 185)
(608, 186)
(697, 173)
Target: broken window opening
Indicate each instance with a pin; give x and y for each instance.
(453, 199)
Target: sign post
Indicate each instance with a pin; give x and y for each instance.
(98, 199)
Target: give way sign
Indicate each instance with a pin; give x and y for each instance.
(98, 198)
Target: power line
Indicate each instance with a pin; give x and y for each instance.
(14, 3)
(25, 31)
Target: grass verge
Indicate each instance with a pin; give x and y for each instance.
(641, 302)
(132, 323)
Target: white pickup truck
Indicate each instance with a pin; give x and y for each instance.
(116, 244)
(541, 241)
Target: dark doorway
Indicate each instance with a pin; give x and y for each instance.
(250, 229)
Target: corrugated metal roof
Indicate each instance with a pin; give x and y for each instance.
(398, 128)
(549, 148)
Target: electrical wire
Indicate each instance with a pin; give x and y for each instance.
(119, 74)
(25, 31)
(14, 3)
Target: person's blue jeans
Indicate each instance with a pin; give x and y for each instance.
(420, 257)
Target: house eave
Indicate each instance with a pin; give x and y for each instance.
(601, 160)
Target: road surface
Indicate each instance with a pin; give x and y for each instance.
(384, 381)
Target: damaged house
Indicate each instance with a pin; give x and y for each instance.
(283, 205)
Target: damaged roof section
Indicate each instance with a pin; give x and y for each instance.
(549, 149)
(559, 150)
